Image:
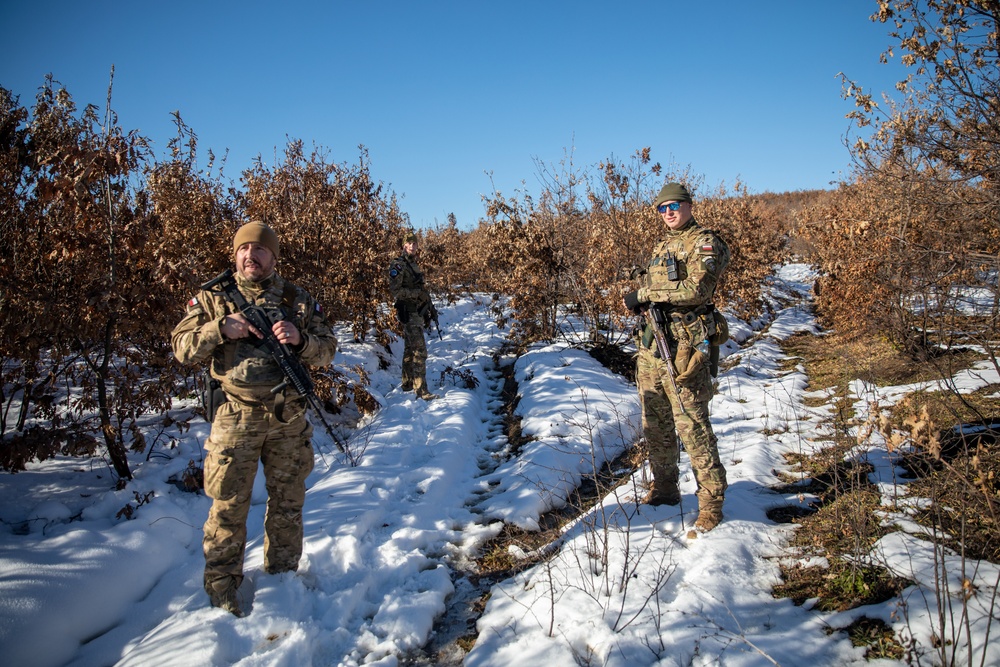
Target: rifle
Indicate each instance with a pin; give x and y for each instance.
(657, 319)
(293, 370)
(430, 314)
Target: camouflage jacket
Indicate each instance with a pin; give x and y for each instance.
(406, 281)
(243, 366)
(701, 257)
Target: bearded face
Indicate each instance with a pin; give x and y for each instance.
(255, 262)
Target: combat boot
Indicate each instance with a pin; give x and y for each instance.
(709, 513)
(662, 493)
(420, 387)
(663, 490)
(226, 595)
(406, 379)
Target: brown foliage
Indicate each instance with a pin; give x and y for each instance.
(530, 252)
(70, 283)
(96, 261)
(917, 226)
(444, 255)
(898, 256)
(338, 230)
(758, 241)
(192, 215)
(576, 245)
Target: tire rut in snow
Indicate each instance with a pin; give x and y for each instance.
(455, 631)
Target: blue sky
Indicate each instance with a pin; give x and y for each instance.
(445, 94)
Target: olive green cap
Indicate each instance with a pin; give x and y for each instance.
(672, 192)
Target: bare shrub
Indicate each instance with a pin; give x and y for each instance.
(898, 259)
(918, 223)
(444, 257)
(758, 243)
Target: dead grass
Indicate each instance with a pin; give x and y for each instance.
(834, 360)
(946, 409)
(844, 525)
(877, 637)
(958, 471)
(839, 587)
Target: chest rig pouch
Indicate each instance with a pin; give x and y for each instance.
(667, 271)
(246, 361)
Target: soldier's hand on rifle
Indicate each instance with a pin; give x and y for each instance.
(286, 333)
(632, 302)
(236, 326)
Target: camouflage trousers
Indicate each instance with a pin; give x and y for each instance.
(663, 422)
(241, 436)
(414, 355)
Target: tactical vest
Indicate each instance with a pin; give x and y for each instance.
(245, 362)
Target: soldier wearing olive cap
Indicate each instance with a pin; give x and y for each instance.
(253, 424)
(414, 310)
(680, 280)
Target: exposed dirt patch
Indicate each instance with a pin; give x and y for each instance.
(790, 513)
(508, 412)
(615, 359)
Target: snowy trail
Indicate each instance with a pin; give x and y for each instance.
(382, 538)
(629, 588)
(374, 574)
(387, 542)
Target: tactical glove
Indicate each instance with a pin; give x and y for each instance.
(632, 302)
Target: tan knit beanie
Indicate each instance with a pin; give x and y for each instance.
(256, 232)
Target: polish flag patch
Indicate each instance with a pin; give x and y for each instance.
(193, 302)
(708, 248)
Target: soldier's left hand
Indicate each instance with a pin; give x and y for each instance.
(286, 333)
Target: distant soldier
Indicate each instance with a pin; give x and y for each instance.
(415, 312)
(253, 424)
(680, 283)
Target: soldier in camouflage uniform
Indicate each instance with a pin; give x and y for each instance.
(415, 311)
(253, 424)
(680, 280)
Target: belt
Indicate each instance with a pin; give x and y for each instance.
(689, 316)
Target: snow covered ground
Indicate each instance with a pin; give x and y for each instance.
(387, 542)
